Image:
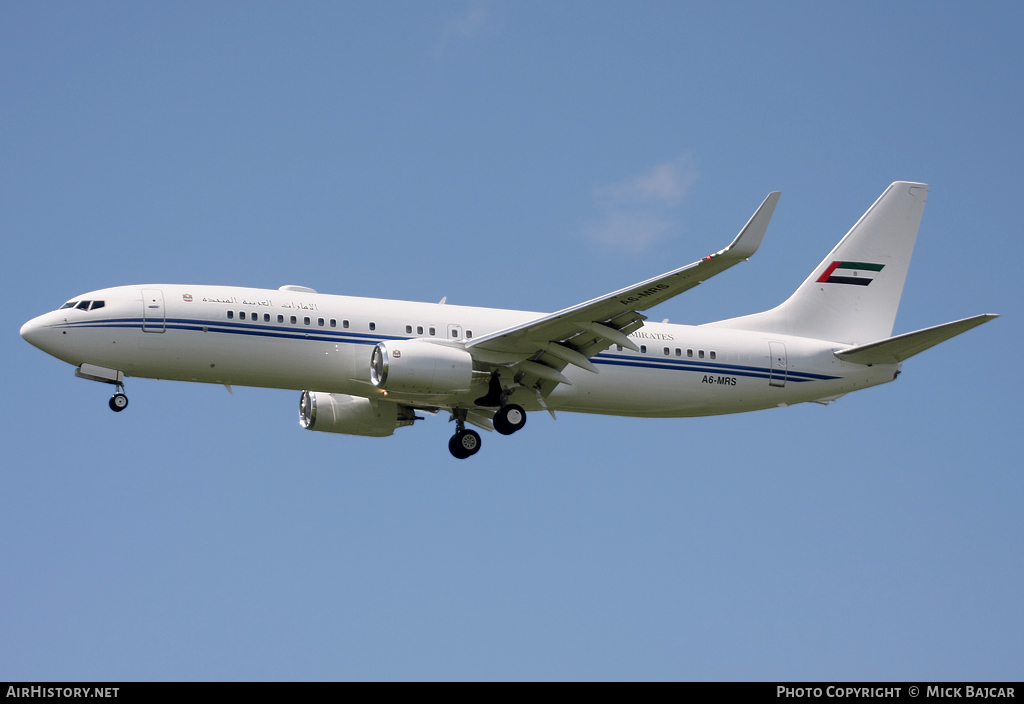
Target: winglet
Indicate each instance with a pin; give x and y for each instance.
(749, 239)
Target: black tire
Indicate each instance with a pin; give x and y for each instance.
(455, 447)
(509, 419)
(464, 444)
(500, 424)
(118, 402)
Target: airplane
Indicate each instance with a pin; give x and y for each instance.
(367, 366)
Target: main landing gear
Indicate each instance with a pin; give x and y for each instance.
(509, 418)
(465, 443)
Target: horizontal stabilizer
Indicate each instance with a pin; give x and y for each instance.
(896, 349)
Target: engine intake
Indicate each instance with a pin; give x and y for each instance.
(352, 415)
(421, 367)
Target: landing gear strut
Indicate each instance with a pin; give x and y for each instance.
(118, 402)
(465, 443)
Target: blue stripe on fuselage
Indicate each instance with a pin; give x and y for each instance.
(710, 367)
(303, 333)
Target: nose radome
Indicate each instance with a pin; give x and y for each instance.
(30, 331)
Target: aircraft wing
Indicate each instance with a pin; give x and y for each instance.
(542, 348)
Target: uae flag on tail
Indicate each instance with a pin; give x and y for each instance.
(854, 273)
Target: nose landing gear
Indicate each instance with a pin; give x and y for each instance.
(119, 401)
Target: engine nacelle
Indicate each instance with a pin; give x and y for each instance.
(420, 367)
(352, 415)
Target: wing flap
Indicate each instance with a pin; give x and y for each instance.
(896, 349)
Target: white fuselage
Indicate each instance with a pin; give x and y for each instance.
(299, 340)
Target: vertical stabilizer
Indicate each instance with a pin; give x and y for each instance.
(852, 296)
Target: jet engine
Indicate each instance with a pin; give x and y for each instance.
(420, 367)
(352, 415)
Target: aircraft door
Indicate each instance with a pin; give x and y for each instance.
(777, 364)
(152, 310)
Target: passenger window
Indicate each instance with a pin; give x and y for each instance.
(679, 352)
(712, 354)
(344, 323)
(69, 304)
(643, 349)
(266, 317)
(241, 315)
(334, 323)
(320, 322)
(419, 329)
(408, 329)
(306, 320)
(432, 331)
(231, 314)
(97, 304)
(373, 326)
(280, 318)
(84, 305)
(455, 333)
(469, 334)
(700, 353)
(689, 353)
(618, 348)
(255, 317)
(294, 320)
(666, 351)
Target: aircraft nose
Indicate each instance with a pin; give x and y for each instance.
(31, 331)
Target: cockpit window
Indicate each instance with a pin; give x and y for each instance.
(84, 305)
(69, 304)
(97, 304)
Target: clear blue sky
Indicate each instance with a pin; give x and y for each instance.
(495, 153)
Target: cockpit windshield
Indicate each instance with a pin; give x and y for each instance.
(83, 305)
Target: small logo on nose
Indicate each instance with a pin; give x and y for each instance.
(187, 297)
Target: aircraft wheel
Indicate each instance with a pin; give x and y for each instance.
(509, 418)
(118, 402)
(464, 443)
